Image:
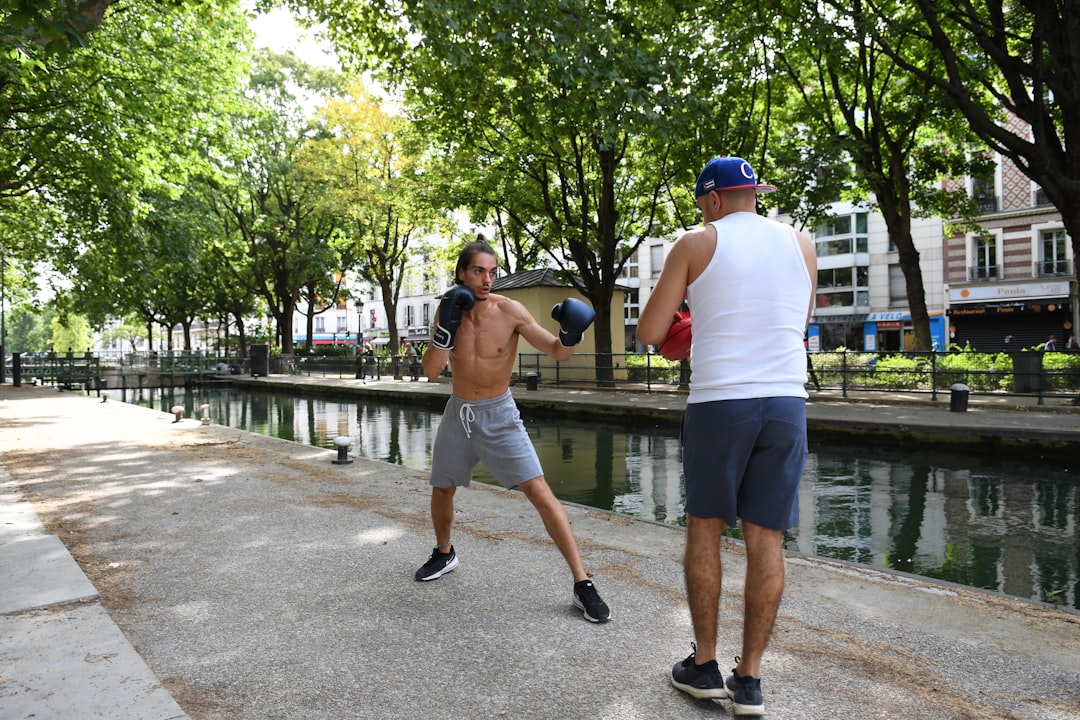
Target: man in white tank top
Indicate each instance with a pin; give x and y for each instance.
(750, 283)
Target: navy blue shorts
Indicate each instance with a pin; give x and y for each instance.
(744, 459)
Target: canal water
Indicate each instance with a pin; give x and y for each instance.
(1003, 525)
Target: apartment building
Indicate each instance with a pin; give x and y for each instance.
(1010, 285)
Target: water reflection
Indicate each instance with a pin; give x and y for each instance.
(1004, 526)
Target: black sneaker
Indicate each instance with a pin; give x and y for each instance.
(701, 681)
(588, 601)
(437, 565)
(745, 694)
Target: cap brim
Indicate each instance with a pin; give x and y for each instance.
(760, 189)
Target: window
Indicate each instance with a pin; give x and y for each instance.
(837, 277)
(342, 323)
(410, 316)
(630, 268)
(984, 193)
(1053, 253)
(656, 260)
(427, 314)
(984, 258)
(632, 306)
(835, 299)
(834, 247)
(842, 235)
(840, 225)
(897, 287)
(320, 324)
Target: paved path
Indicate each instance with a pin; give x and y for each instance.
(150, 565)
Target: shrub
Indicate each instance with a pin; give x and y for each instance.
(651, 368)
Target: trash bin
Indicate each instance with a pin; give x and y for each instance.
(530, 381)
(260, 360)
(1027, 372)
(958, 398)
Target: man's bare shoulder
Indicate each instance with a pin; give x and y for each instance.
(696, 236)
(508, 306)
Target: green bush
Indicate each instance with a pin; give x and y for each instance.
(651, 368)
(982, 372)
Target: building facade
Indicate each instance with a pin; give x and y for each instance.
(1010, 285)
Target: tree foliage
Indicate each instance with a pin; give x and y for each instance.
(270, 200)
(898, 134)
(1013, 71)
(367, 159)
(575, 119)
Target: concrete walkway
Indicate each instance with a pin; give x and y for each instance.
(159, 569)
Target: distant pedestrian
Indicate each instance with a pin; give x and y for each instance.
(413, 359)
(810, 366)
(1051, 344)
(369, 361)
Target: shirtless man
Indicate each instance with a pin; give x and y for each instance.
(477, 332)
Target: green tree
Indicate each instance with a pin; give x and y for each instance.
(70, 333)
(137, 106)
(592, 112)
(374, 186)
(29, 328)
(897, 132)
(1013, 71)
(129, 331)
(272, 203)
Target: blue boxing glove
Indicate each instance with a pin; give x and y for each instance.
(456, 300)
(574, 318)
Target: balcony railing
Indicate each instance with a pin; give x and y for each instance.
(983, 272)
(987, 203)
(1053, 268)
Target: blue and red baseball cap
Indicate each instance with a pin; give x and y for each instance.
(728, 173)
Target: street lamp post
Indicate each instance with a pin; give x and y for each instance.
(359, 338)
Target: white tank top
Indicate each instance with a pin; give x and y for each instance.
(749, 313)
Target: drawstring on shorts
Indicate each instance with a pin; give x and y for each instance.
(466, 416)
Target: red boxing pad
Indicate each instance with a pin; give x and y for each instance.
(676, 346)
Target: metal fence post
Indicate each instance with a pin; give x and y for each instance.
(933, 376)
(843, 372)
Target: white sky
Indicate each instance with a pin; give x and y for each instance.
(278, 31)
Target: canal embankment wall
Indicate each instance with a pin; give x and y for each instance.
(1007, 426)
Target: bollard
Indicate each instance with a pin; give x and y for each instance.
(958, 397)
(205, 414)
(178, 411)
(342, 444)
(104, 396)
(530, 381)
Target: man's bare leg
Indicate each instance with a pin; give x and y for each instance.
(762, 592)
(703, 571)
(442, 515)
(556, 523)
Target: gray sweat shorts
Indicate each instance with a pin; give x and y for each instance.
(488, 431)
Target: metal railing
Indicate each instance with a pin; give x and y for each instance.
(92, 371)
(1029, 373)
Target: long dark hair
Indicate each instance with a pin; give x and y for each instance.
(468, 253)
